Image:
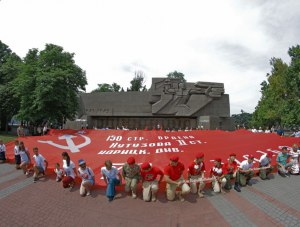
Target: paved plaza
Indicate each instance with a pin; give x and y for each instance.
(274, 202)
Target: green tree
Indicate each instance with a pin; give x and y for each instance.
(49, 85)
(243, 119)
(5, 52)
(177, 75)
(279, 103)
(9, 101)
(137, 83)
(10, 65)
(114, 87)
(103, 88)
(25, 85)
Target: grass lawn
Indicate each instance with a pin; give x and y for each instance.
(6, 138)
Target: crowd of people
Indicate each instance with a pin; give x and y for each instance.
(32, 130)
(221, 175)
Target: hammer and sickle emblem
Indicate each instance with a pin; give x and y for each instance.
(70, 143)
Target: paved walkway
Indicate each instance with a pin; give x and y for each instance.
(274, 202)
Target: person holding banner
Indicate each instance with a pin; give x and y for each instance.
(88, 178)
(265, 165)
(282, 165)
(295, 156)
(245, 171)
(149, 181)
(216, 172)
(131, 175)
(174, 179)
(69, 171)
(111, 177)
(231, 171)
(40, 165)
(196, 174)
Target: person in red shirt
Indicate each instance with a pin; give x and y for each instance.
(174, 179)
(149, 181)
(196, 174)
(216, 172)
(230, 171)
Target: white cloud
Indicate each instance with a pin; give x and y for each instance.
(219, 41)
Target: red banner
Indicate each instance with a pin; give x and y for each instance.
(96, 146)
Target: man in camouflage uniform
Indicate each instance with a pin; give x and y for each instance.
(131, 175)
(265, 162)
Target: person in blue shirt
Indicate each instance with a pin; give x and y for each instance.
(282, 165)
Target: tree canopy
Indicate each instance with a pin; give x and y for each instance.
(114, 87)
(177, 75)
(137, 83)
(243, 119)
(10, 66)
(280, 100)
(42, 86)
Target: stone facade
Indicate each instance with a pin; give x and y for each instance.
(169, 104)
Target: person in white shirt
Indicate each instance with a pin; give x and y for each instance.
(17, 154)
(295, 156)
(45, 129)
(254, 130)
(260, 130)
(88, 178)
(216, 172)
(20, 131)
(246, 172)
(2, 152)
(25, 157)
(59, 172)
(40, 165)
(265, 162)
(39, 130)
(69, 171)
(111, 177)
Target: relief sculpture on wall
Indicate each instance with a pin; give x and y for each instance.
(171, 97)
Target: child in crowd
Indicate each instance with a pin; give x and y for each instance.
(17, 154)
(59, 172)
(40, 165)
(2, 151)
(88, 178)
(25, 158)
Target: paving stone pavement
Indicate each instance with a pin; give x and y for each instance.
(23, 203)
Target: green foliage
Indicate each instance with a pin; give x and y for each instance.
(107, 88)
(7, 138)
(4, 53)
(116, 87)
(48, 85)
(10, 66)
(243, 119)
(177, 75)
(280, 100)
(137, 83)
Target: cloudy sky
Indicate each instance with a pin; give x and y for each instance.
(216, 41)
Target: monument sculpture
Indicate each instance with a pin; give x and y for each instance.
(169, 103)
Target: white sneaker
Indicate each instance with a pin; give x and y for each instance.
(200, 195)
(27, 173)
(180, 197)
(88, 193)
(133, 195)
(153, 199)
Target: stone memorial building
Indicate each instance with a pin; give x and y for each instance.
(169, 104)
